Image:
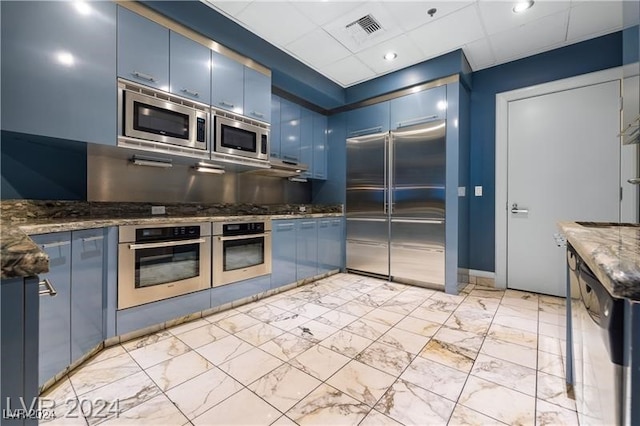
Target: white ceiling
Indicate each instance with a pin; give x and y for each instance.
(487, 30)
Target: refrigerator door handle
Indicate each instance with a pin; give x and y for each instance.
(385, 193)
(417, 120)
(390, 164)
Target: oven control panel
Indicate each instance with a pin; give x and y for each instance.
(167, 233)
(245, 228)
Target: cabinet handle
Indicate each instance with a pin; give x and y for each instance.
(227, 104)
(336, 222)
(49, 289)
(190, 92)
(242, 237)
(285, 226)
(290, 158)
(56, 244)
(144, 76)
(96, 238)
(365, 131)
(257, 114)
(417, 120)
(166, 244)
(307, 224)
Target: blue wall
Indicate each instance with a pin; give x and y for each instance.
(589, 56)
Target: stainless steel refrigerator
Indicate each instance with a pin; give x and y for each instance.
(395, 204)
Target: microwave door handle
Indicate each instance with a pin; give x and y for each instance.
(242, 237)
(166, 244)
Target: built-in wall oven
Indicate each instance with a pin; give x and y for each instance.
(161, 261)
(241, 250)
(240, 137)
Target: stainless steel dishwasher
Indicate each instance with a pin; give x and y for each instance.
(597, 341)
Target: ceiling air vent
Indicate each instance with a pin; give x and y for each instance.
(361, 29)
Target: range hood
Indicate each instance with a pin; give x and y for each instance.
(281, 168)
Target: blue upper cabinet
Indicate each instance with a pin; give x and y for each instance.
(306, 140)
(257, 95)
(143, 50)
(289, 131)
(189, 68)
(227, 83)
(369, 119)
(274, 135)
(58, 69)
(320, 125)
(418, 108)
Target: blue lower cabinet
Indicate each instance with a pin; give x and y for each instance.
(55, 311)
(283, 252)
(239, 290)
(330, 238)
(87, 278)
(306, 248)
(139, 317)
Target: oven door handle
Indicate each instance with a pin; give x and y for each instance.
(166, 244)
(242, 237)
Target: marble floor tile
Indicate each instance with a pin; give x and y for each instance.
(65, 420)
(384, 317)
(430, 375)
(337, 318)
(473, 320)
(551, 364)
(62, 398)
(449, 299)
(199, 394)
(289, 321)
(243, 409)
(411, 405)
(463, 416)
(319, 362)
(284, 386)
(286, 302)
(520, 323)
(287, 346)
(519, 294)
(187, 326)
(551, 345)
(203, 335)
(514, 311)
(160, 351)
(441, 304)
(404, 340)
(461, 338)
(552, 318)
(385, 358)
(249, 306)
(219, 316)
(143, 341)
(553, 389)
(521, 355)
(105, 354)
(558, 331)
(551, 300)
(159, 410)
(362, 382)
(356, 308)
(328, 406)
(516, 302)
(366, 328)
(237, 322)
(487, 293)
(330, 301)
(373, 300)
(481, 395)
(429, 314)
(284, 421)
(552, 415)
(404, 303)
(376, 418)
(505, 373)
(125, 393)
(310, 310)
(449, 354)
(250, 366)
(513, 335)
(95, 375)
(418, 326)
(486, 304)
(313, 330)
(553, 308)
(259, 333)
(346, 343)
(224, 349)
(265, 312)
(177, 370)
(346, 294)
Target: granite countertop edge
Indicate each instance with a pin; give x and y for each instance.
(611, 252)
(22, 257)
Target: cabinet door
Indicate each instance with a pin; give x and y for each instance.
(306, 140)
(274, 135)
(418, 108)
(55, 312)
(367, 120)
(86, 291)
(58, 70)
(283, 253)
(289, 131)
(257, 95)
(306, 248)
(143, 50)
(320, 146)
(330, 243)
(189, 68)
(227, 83)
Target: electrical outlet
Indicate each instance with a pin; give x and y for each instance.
(462, 191)
(302, 209)
(478, 191)
(158, 210)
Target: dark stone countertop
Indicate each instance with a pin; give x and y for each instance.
(612, 252)
(21, 257)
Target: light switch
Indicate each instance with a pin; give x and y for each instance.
(462, 191)
(478, 191)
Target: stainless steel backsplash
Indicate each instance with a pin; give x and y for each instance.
(111, 176)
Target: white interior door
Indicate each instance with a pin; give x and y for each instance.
(563, 164)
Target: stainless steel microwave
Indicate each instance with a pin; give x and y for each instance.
(236, 136)
(149, 115)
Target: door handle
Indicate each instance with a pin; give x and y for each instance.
(516, 210)
(48, 288)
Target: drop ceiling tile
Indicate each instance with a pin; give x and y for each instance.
(318, 49)
(531, 38)
(322, 12)
(412, 14)
(498, 16)
(348, 71)
(275, 21)
(592, 18)
(408, 54)
(230, 8)
(448, 33)
(480, 54)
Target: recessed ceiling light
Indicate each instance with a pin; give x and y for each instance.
(390, 56)
(65, 58)
(522, 6)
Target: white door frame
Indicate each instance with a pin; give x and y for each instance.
(502, 142)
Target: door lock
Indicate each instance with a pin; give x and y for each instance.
(516, 210)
